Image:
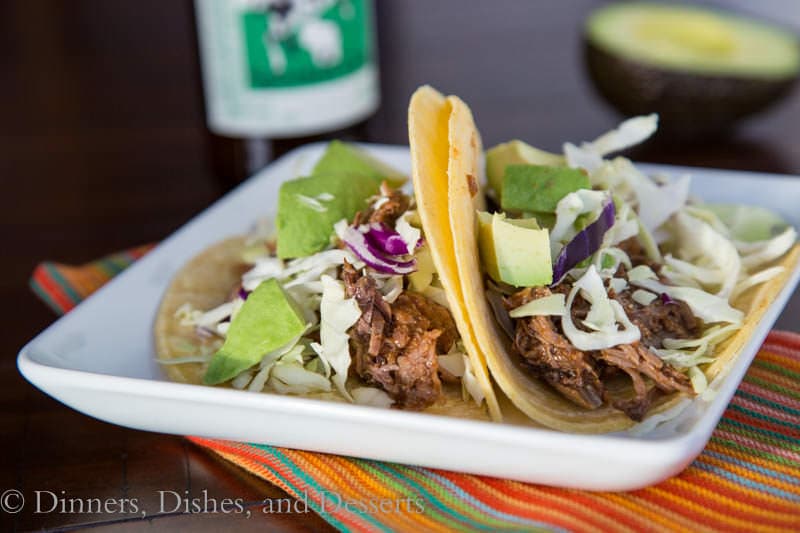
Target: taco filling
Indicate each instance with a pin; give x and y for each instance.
(344, 302)
(633, 280)
(612, 295)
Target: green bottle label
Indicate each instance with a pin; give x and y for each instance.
(328, 40)
(286, 68)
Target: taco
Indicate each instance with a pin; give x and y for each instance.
(349, 299)
(599, 296)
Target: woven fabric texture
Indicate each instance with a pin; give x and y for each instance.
(746, 479)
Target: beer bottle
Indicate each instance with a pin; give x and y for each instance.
(280, 73)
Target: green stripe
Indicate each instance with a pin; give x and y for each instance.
(109, 266)
(774, 387)
(778, 369)
(397, 472)
(789, 445)
(758, 415)
(774, 405)
(751, 451)
(62, 283)
(764, 434)
(325, 516)
(297, 471)
(405, 490)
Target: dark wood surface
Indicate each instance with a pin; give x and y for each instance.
(102, 146)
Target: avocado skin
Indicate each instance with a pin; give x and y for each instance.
(689, 105)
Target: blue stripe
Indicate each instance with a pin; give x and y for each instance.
(792, 480)
(462, 494)
(315, 484)
(747, 482)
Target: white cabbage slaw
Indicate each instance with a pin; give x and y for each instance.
(707, 262)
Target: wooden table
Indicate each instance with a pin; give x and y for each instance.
(102, 146)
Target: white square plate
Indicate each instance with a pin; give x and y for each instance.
(99, 359)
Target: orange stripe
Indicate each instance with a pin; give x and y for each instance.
(362, 482)
(518, 498)
(238, 453)
(754, 476)
(677, 493)
(657, 515)
(766, 463)
(548, 509)
(746, 502)
(599, 502)
(254, 466)
(778, 357)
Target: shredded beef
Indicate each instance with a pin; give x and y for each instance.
(395, 345)
(578, 375)
(552, 357)
(658, 320)
(389, 211)
(638, 362)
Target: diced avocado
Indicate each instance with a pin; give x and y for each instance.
(268, 320)
(538, 188)
(344, 158)
(514, 152)
(309, 207)
(514, 251)
(700, 69)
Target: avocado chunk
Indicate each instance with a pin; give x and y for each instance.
(699, 69)
(309, 207)
(344, 158)
(514, 152)
(514, 251)
(268, 320)
(532, 188)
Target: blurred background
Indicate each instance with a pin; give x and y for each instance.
(104, 143)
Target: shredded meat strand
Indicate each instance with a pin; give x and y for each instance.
(578, 375)
(389, 211)
(551, 356)
(395, 345)
(638, 362)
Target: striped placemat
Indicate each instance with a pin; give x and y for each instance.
(747, 478)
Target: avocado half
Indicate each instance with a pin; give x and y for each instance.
(701, 70)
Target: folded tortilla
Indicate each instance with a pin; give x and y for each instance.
(205, 282)
(529, 394)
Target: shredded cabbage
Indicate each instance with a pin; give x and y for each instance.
(641, 272)
(704, 256)
(618, 284)
(657, 204)
(643, 297)
(756, 279)
(291, 378)
(371, 396)
(602, 317)
(755, 254)
(337, 315)
(457, 363)
(553, 304)
(409, 233)
(568, 209)
(630, 133)
(708, 307)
